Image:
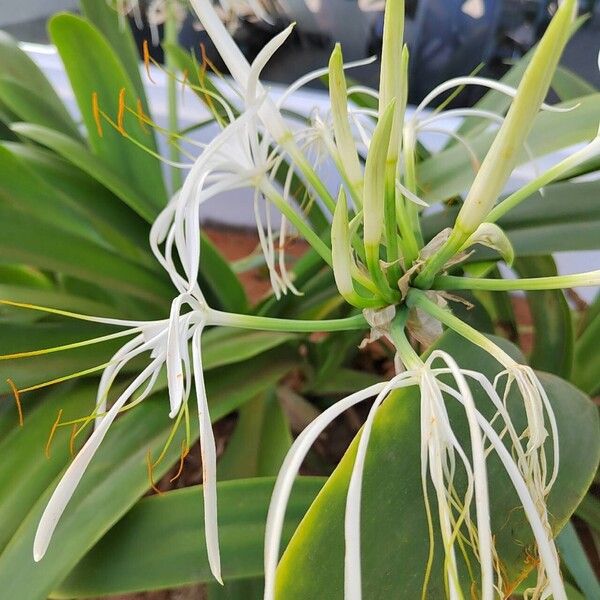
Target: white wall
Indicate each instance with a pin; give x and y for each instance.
(18, 11)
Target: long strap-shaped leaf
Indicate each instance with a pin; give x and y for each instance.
(160, 544)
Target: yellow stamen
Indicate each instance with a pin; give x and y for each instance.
(17, 397)
(121, 113)
(96, 113)
(150, 473)
(52, 432)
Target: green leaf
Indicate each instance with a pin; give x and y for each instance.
(541, 225)
(219, 281)
(160, 543)
(37, 243)
(569, 86)
(589, 511)
(18, 66)
(114, 481)
(226, 346)
(394, 531)
(553, 337)
(94, 67)
(575, 558)
(30, 470)
(259, 442)
(104, 212)
(450, 172)
(586, 366)
(81, 157)
(29, 105)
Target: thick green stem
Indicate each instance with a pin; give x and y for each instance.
(445, 316)
(217, 317)
(171, 38)
(406, 352)
(448, 282)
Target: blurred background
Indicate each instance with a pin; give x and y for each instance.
(446, 37)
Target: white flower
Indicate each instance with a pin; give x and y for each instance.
(441, 451)
(167, 342)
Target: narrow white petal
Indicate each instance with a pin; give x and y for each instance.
(209, 462)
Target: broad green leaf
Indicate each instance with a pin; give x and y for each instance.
(344, 381)
(586, 366)
(226, 346)
(54, 298)
(34, 242)
(218, 281)
(81, 157)
(552, 323)
(29, 105)
(17, 65)
(22, 189)
(118, 35)
(160, 543)
(589, 511)
(259, 442)
(394, 531)
(94, 67)
(450, 172)
(574, 557)
(25, 337)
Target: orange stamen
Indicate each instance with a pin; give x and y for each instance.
(151, 473)
(121, 113)
(147, 59)
(142, 119)
(17, 397)
(52, 432)
(96, 113)
(184, 453)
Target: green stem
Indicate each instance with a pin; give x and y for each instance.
(171, 38)
(445, 316)
(407, 353)
(217, 317)
(448, 282)
(391, 228)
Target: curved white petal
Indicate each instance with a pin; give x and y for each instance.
(209, 462)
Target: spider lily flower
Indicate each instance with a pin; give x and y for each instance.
(441, 451)
(167, 342)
